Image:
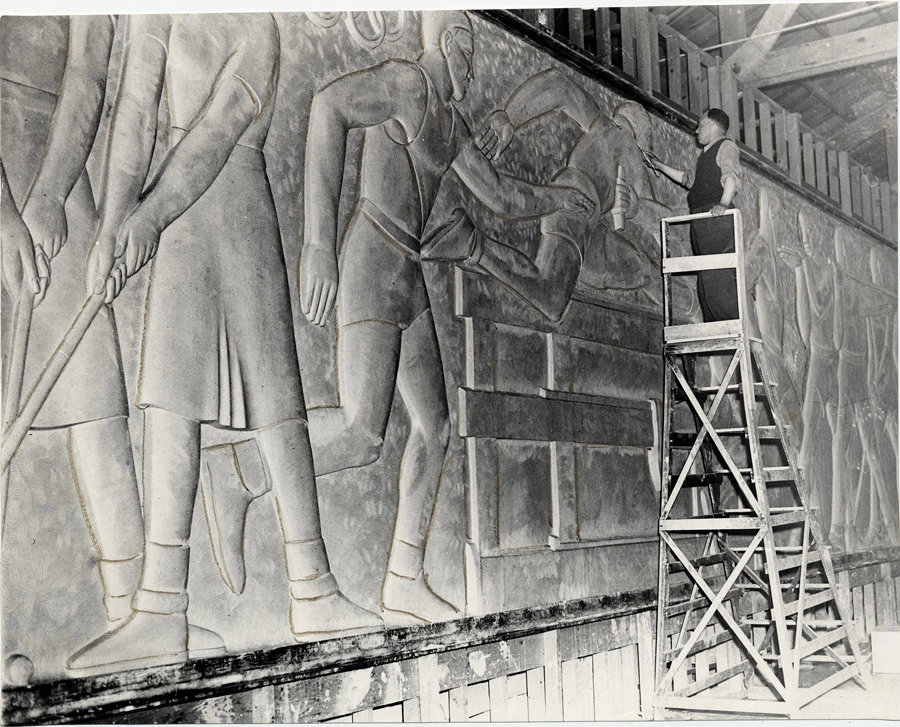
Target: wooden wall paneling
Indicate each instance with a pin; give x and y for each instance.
(673, 65)
(552, 681)
(517, 697)
(629, 64)
(869, 607)
(497, 694)
(479, 699)
(631, 693)
(390, 714)
(795, 148)
(834, 179)
(364, 716)
(603, 686)
(537, 711)
(459, 706)
(262, 705)
(859, 615)
(821, 166)
(765, 129)
(429, 694)
(604, 42)
(844, 183)
(866, 188)
(646, 655)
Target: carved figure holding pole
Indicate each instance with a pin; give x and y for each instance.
(217, 328)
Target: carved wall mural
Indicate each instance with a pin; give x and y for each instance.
(378, 333)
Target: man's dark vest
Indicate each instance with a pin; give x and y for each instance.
(707, 189)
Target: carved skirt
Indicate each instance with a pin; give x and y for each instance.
(218, 342)
(92, 385)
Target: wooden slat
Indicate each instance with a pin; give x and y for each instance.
(602, 32)
(695, 263)
(695, 79)
(714, 82)
(729, 92)
(779, 119)
(646, 627)
(887, 210)
(655, 78)
(826, 685)
(673, 64)
(866, 189)
(821, 167)
(497, 693)
(552, 683)
(716, 704)
(716, 678)
(767, 148)
(809, 159)
(750, 137)
(795, 149)
(643, 42)
(429, 695)
(628, 38)
(459, 706)
(834, 188)
(537, 711)
(876, 205)
(844, 182)
(576, 26)
(855, 188)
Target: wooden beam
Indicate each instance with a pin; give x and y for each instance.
(751, 53)
(880, 117)
(819, 57)
(732, 26)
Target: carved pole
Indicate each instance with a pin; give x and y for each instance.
(48, 377)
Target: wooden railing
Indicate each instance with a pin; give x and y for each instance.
(639, 45)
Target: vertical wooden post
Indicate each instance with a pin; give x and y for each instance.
(795, 151)
(695, 95)
(602, 32)
(646, 637)
(576, 26)
(765, 130)
(833, 174)
(886, 210)
(642, 47)
(673, 61)
(855, 191)
(866, 179)
(714, 80)
(429, 690)
(536, 701)
(781, 153)
(497, 696)
(821, 167)
(809, 159)
(875, 192)
(750, 138)
(628, 31)
(552, 686)
(729, 97)
(655, 79)
(844, 182)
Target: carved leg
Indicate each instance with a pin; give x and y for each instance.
(406, 595)
(845, 463)
(351, 435)
(318, 608)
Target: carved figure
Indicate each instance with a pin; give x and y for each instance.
(816, 281)
(607, 153)
(217, 328)
(64, 94)
(414, 135)
(712, 188)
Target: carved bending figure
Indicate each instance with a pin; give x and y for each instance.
(52, 146)
(414, 135)
(218, 342)
(605, 146)
(820, 329)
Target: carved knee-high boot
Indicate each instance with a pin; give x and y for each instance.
(156, 632)
(318, 608)
(406, 597)
(119, 579)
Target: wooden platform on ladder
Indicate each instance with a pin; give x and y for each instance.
(748, 601)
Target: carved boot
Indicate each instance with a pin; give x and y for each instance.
(231, 477)
(119, 579)
(318, 608)
(156, 633)
(406, 597)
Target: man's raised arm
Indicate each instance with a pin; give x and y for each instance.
(393, 90)
(72, 130)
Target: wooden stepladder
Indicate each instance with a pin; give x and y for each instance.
(750, 617)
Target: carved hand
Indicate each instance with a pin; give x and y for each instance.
(790, 255)
(136, 243)
(571, 198)
(46, 219)
(496, 135)
(101, 259)
(22, 261)
(629, 198)
(318, 282)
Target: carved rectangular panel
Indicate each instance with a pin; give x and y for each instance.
(614, 493)
(519, 359)
(523, 481)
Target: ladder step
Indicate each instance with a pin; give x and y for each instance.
(813, 623)
(746, 511)
(704, 480)
(699, 391)
(795, 561)
(676, 566)
(720, 704)
(687, 439)
(711, 523)
(772, 474)
(716, 678)
(819, 598)
(811, 647)
(809, 586)
(697, 263)
(778, 548)
(699, 333)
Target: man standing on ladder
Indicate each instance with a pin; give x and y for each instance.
(712, 188)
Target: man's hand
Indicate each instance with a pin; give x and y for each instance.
(318, 273)
(572, 199)
(718, 210)
(21, 261)
(46, 219)
(495, 137)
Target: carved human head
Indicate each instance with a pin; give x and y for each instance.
(768, 204)
(805, 232)
(450, 32)
(634, 117)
